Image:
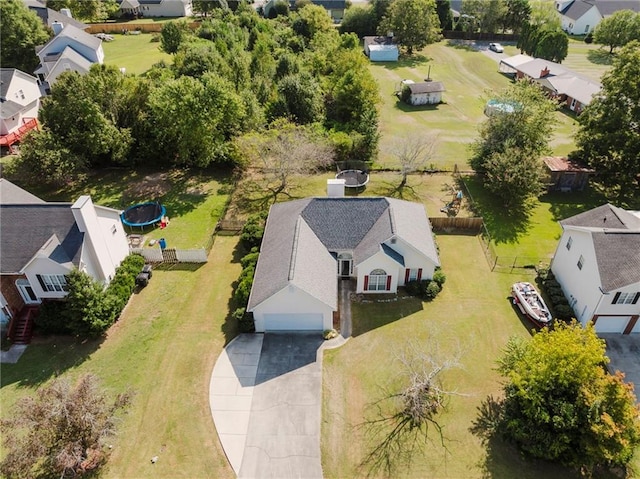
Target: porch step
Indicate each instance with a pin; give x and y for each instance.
(22, 331)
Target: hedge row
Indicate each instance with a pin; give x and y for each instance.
(553, 290)
(427, 289)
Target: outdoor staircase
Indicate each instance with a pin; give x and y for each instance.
(15, 137)
(21, 327)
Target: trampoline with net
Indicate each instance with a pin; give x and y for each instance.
(143, 214)
(353, 178)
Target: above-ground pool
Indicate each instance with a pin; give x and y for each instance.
(143, 214)
(353, 178)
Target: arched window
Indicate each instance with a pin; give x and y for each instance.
(377, 280)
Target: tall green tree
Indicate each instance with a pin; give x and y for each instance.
(488, 14)
(512, 139)
(560, 403)
(443, 7)
(87, 10)
(618, 29)
(359, 20)
(21, 31)
(543, 42)
(173, 34)
(609, 135)
(517, 14)
(414, 23)
(300, 99)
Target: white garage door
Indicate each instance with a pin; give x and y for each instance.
(612, 324)
(293, 322)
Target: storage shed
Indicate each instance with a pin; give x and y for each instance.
(424, 93)
(565, 174)
(381, 49)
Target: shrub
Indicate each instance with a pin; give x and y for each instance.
(330, 334)
(52, 317)
(243, 289)
(439, 277)
(563, 312)
(245, 320)
(588, 38)
(250, 259)
(414, 288)
(559, 299)
(253, 230)
(431, 291)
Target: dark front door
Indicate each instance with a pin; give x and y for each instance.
(345, 267)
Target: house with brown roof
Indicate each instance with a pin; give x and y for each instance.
(597, 263)
(564, 174)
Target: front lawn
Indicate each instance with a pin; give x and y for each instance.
(473, 314)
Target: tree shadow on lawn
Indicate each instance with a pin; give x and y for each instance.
(467, 45)
(369, 312)
(600, 57)
(408, 61)
(565, 205)
(406, 192)
(505, 225)
(47, 357)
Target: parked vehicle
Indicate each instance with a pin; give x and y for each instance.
(531, 304)
(496, 47)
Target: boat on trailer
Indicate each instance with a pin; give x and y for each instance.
(530, 303)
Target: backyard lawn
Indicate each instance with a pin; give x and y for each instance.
(135, 53)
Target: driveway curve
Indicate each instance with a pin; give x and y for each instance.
(266, 400)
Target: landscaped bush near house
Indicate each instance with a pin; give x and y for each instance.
(559, 303)
(426, 289)
(251, 258)
(253, 230)
(432, 290)
(245, 320)
(439, 277)
(245, 281)
(89, 309)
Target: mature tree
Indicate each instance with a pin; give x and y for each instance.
(284, 151)
(401, 422)
(300, 98)
(562, 405)
(310, 20)
(380, 8)
(61, 431)
(609, 134)
(487, 14)
(414, 23)
(87, 10)
(517, 14)
(359, 19)
(443, 8)
(173, 34)
(204, 7)
(194, 119)
(513, 138)
(543, 42)
(414, 153)
(21, 31)
(617, 30)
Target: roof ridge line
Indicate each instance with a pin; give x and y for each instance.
(294, 249)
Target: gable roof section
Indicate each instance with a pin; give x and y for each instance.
(26, 228)
(576, 9)
(605, 216)
(426, 87)
(618, 258)
(11, 194)
(342, 223)
(76, 62)
(73, 33)
(49, 16)
(413, 226)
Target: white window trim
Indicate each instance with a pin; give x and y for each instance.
(377, 278)
(22, 284)
(625, 298)
(54, 282)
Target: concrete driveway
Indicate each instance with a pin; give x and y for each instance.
(267, 411)
(624, 352)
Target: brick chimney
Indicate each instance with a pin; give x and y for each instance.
(544, 72)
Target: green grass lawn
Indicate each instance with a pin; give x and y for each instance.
(469, 77)
(472, 314)
(135, 53)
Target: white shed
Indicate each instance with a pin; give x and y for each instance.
(381, 49)
(424, 93)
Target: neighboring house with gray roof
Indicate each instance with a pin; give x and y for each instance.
(50, 16)
(157, 8)
(310, 244)
(71, 49)
(19, 105)
(597, 263)
(41, 242)
(579, 17)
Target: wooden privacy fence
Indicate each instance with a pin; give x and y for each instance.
(131, 27)
(445, 223)
(172, 255)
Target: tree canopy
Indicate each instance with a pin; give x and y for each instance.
(618, 29)
(609, 135)
(21, 31)
(562, 405)
(511, 142)
(414, 23)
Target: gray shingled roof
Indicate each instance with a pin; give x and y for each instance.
(49, 16)
(605, 216)
(300, 236)
(24, 229)
(608, 7)
(426, 87)
(576, 9)
(618, 258)
(11, 194)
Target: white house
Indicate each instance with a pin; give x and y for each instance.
(310, 244)
(42, 242)
(157, 8)
(19, 105)
(381, 49)
(579, 17)
(71, 49)
(423, 93)
(50, 16)
(597, 263)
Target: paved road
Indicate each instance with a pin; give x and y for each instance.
(283, 435)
